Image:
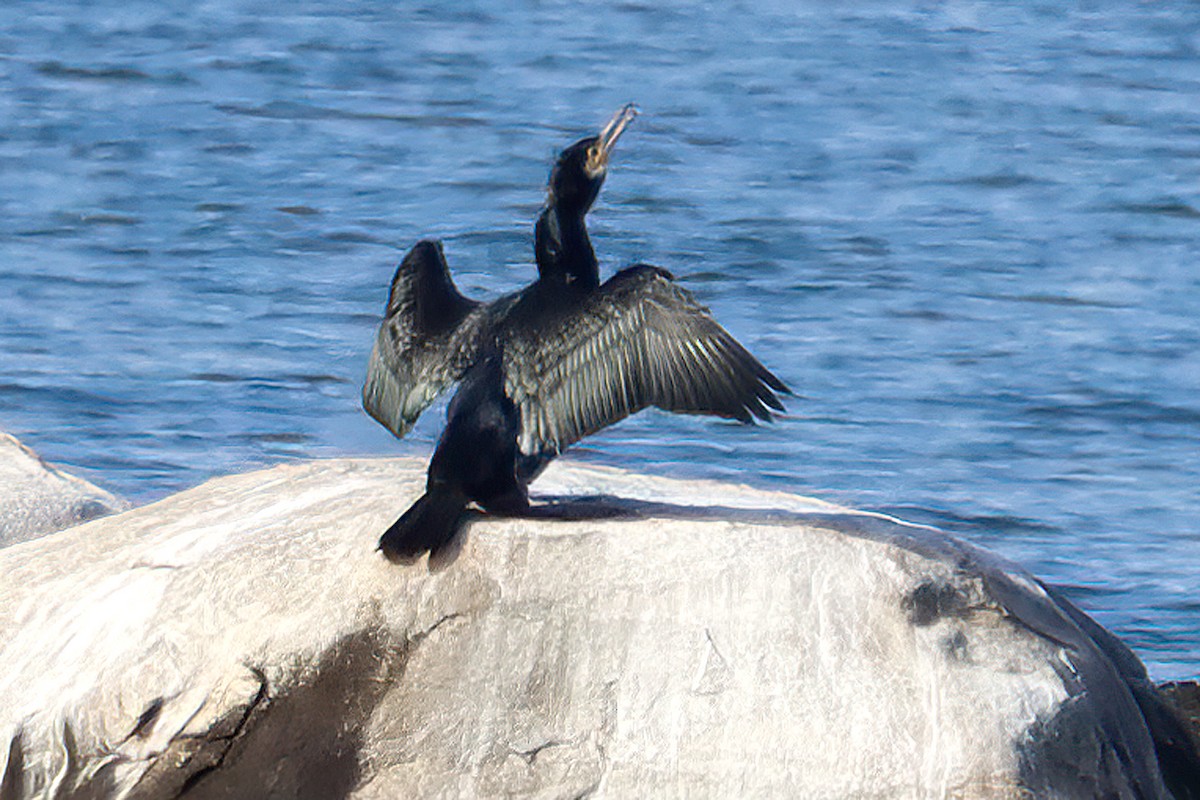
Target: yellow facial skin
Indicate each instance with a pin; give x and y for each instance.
(597, 157)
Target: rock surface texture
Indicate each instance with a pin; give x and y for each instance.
(36, 498)
(668, 639)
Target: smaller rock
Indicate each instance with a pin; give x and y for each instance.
(1184, 698)
(36, 498)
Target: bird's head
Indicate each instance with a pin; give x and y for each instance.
(579, 172)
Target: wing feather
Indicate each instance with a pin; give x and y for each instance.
(426, 341)
(640, 340)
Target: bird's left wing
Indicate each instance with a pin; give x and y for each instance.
(427, 338)
(640, 340)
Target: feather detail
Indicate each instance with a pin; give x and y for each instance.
(429, 336)
(638, 340)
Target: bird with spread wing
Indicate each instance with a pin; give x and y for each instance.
(542, 368)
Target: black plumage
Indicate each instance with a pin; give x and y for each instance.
(544, 367)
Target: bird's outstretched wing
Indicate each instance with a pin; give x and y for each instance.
(427, 338)
(640, 340)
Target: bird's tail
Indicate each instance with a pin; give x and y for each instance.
(429, 524)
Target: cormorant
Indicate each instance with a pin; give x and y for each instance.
(546, 366)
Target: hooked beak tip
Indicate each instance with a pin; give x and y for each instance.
(616, 126)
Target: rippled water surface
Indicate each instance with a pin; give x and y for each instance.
(965, 233)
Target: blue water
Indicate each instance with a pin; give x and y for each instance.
(967, 234)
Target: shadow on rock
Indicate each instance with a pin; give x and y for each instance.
(303, 742)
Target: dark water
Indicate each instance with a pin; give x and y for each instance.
(968, 234)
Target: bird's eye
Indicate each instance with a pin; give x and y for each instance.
(595, 161)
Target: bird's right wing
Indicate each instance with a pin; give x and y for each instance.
(640, 340)
(427, 339)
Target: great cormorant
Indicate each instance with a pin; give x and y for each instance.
(546, 366)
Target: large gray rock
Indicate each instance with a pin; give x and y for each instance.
(36, 498)
(245, 639)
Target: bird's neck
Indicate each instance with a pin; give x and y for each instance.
(564, 252)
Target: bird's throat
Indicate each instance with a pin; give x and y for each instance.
(564, 251)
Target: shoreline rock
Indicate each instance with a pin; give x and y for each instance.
(660, 638)
(1185, 697)
(37, 498)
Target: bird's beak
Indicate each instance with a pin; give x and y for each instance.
(598, 157)
(616, 126)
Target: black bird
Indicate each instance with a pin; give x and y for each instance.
(544, 367)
